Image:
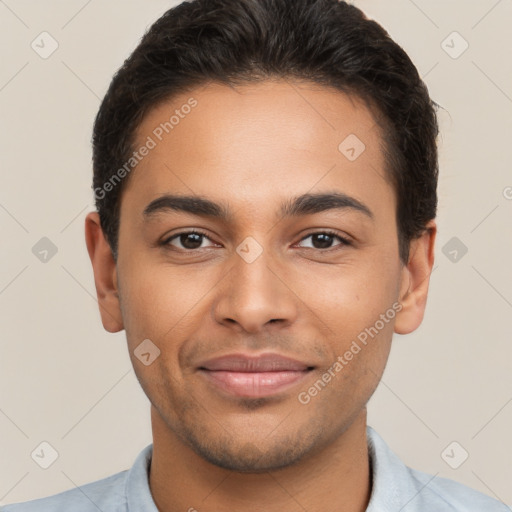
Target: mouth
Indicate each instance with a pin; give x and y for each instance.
(249, 376)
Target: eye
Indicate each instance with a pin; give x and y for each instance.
(187, 240)
(323, 240)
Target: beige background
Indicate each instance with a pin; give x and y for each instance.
(65, 381)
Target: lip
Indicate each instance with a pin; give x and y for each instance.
(254, 376)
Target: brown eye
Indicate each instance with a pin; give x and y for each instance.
(187, 240)
(324, 240)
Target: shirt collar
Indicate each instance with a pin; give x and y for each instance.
(137, 491)
(393, 487)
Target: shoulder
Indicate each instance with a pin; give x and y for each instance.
(399, 487)
(449, 495)
(128, 489)
(107, 495)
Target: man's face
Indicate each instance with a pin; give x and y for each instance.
(307, 295)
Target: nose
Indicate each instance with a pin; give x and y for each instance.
(256, 294)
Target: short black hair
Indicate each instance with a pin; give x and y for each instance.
(232, 42)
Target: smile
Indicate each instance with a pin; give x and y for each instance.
(248, 376)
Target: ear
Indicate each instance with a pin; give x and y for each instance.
(415, 280)
(105, 274)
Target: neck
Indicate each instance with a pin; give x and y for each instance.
(333, 479)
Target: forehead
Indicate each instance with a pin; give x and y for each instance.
(243, 145)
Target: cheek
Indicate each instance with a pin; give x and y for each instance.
(158, 301)
(349, 297)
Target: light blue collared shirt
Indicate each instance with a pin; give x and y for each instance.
(395, 488)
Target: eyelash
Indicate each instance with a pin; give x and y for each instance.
(344, 241)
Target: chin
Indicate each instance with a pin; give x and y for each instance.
(245, 454)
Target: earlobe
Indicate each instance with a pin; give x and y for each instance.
(105, 274)
(415, 281)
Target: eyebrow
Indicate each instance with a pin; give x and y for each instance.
(305, 204)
